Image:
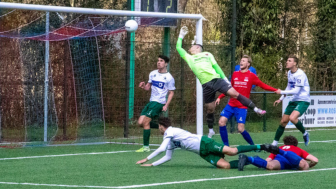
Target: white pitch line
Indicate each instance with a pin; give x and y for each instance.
(167, 183)
(63, 155)
(114, 152)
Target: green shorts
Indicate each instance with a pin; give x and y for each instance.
(152, 110)
(300, 106)
(210, 150)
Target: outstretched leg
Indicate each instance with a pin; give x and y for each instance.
(245, 101)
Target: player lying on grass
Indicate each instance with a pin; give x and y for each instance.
(242, 80)
(288, 156)
(212, 78)
(207, 148)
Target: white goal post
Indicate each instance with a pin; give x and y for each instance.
(197, 17)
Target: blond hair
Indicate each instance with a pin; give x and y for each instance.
(249, 59)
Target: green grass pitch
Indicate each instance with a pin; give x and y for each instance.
(113, 166)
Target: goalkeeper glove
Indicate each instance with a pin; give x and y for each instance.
(183, 32)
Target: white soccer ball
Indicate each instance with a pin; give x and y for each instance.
(131, 26)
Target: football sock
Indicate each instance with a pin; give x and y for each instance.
(257, 161)
(210, 118)
(300, 127)
(153, 125)
(275, 143)
(234, 164)
(249, 148)
(245, 101)
(224, 135)
(292, 157)
(146, 135)
(247, 137)
(279, 132)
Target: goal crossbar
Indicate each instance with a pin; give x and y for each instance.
(199, 31)
(48, 8)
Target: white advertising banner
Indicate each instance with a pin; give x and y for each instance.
(320, 113)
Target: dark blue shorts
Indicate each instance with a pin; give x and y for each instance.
(239, 113)
(285, 164)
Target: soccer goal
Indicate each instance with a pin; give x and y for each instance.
(72, 74)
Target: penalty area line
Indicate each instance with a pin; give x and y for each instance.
(167, 183)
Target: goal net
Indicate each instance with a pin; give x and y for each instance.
(89, 89)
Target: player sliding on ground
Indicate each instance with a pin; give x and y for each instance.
(289, 156)
(298, 86)
(207, 148)
(212, 78)
(242, 81)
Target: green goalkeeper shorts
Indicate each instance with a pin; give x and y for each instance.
(210, 150)
(300, 106)
(152, 110)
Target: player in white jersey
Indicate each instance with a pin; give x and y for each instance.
(207, 148)
(161, 82)
(298, 86)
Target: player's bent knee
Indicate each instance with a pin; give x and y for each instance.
(293, 119)
(284, 122)
(241, 128)
(233, 93)
(223, 164)
(230, 151)
(222, 121)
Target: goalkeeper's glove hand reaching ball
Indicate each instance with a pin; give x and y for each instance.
(183, 32)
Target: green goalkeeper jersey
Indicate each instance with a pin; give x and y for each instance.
(202, 64)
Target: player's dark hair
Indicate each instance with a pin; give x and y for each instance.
(165, 122)
(165, 58)
(290, 140)
(295, 58)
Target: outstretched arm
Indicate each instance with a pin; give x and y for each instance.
(312, 160)
(180, 50)
(165, 158)
(158, 151)
(262, 85)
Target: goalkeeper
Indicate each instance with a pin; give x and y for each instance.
(212, 78)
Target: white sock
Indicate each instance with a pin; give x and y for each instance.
(275, 143)
(256, 109)
(211, 131)
(304, 134)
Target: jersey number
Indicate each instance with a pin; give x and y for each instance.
(177, 144)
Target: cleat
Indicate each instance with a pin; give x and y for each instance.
(143, 149)
(242, 161)
(261, 112)
(306, 139)
(270, 148)
(211, 133)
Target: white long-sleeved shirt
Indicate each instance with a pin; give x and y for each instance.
(298, 86)
(176, 138)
